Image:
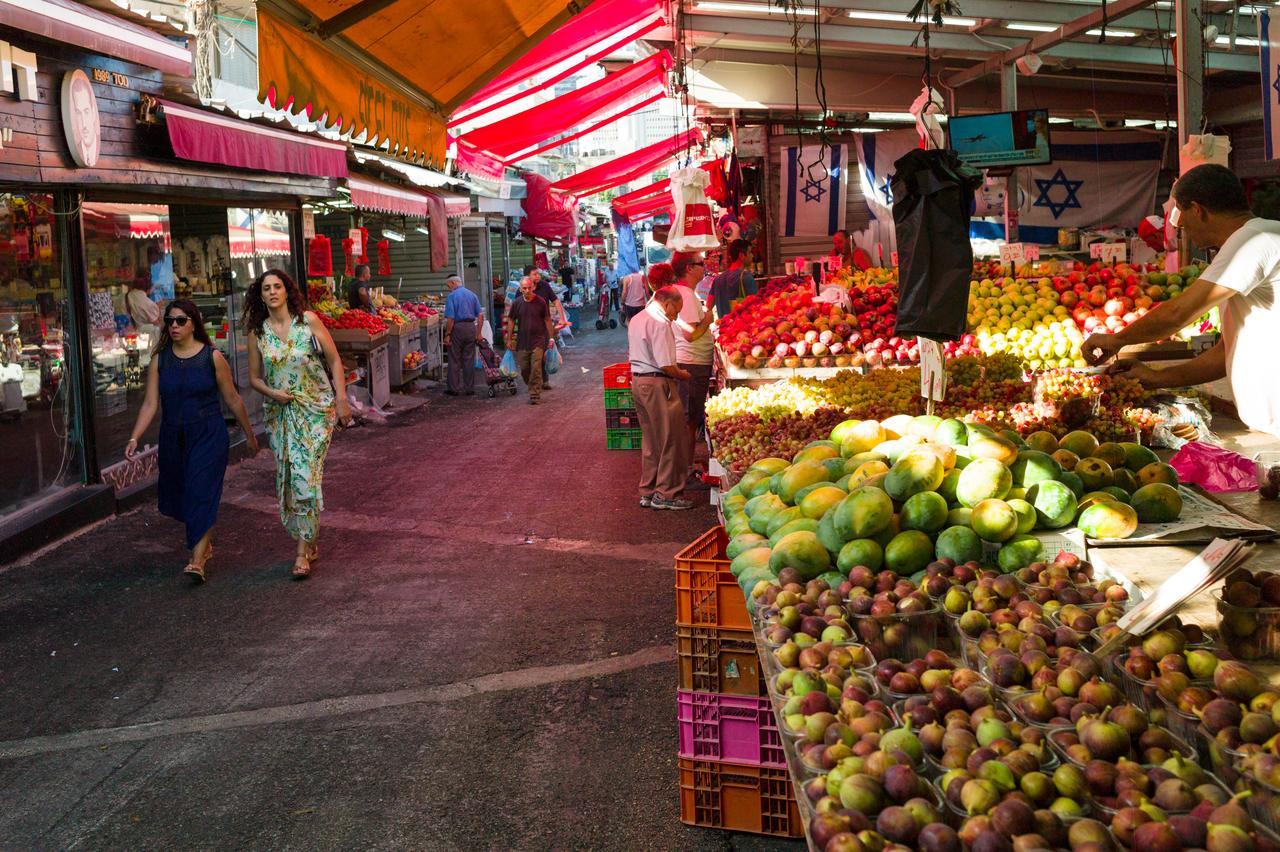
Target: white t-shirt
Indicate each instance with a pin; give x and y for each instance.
(1249, 263)
(650, 342)
(691, 312)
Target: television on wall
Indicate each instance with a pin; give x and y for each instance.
(992, 140)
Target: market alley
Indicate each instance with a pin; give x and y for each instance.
(484, 658)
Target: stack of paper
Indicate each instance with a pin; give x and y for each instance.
(1212, 564)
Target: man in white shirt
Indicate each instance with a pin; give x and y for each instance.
(1210, 205)
(694, 352)
(652, 350)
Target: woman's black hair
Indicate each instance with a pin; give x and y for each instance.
(192, 310)
(255, 307)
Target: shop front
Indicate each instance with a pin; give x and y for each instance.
(114, 202)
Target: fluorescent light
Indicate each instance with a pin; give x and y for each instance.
(752, 8)
(1113, 33)
(1030, 28)
(394, 236)
(871, 130)
(890, 116)
(1054, 119)
(1243, 41)
(896, 17)
(423, 231)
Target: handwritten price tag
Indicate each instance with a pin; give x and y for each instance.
(1109, 252)
(1019, 252)
(895, 258)
(933, 376)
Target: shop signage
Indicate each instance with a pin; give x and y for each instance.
(308, 223)
(1109, 252)
(1019, 252)
(111, 78)
(933, 376)
(80, 120)
(18, 72)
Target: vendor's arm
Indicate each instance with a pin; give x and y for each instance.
(1165, 320)
(1206, 367)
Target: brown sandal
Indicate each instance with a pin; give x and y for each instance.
(313, 553)
(195, 570)
(301, 568)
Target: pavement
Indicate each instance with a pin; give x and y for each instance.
(483, 659)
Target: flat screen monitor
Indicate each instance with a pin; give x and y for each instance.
(996, 139)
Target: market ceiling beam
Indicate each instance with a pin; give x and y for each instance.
(736, 30)
(1043, 42)
(330, 27)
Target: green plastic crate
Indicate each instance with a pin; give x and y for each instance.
(623, 439)
(617, 399)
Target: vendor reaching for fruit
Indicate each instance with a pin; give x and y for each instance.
(1210, 205)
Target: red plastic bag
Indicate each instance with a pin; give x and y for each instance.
(319, 257)
(384, 257)
(349, 261)
(1214, 468)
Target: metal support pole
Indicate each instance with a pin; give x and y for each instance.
(1189, 60)
(1009, 102)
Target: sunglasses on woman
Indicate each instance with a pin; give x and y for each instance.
(177, 320)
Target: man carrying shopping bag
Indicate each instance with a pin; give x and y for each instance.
(529, 333)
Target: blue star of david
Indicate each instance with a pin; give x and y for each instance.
(886, 190)
(1275, 85)
(813, 190)
(1057, 208)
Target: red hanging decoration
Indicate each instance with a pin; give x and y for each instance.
(364, 245)
(319, 257)
(349, 262)
(384, 257)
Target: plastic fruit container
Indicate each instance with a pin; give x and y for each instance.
(902, 635)
(1184, 725)
(1053, 737)
(1263, 802)
(1267, 467)
(1142, 692)
(1249, 633)
(1222, 760)
(1106, 812)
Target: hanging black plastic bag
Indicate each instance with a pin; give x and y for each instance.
(932, 196)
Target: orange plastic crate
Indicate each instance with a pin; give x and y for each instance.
(707, 595)
(617, 376)
(738, 797)
(714, 659)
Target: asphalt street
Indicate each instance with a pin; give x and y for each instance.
(483, 658)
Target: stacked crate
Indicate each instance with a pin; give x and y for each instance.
(733, 772)
(622, 426)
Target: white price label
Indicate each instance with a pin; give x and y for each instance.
(895, 258)
(1109, 252)
(933, 375)
(308, 223)
(1019, 252)
(357, 242)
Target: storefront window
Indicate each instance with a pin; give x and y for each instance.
(38, 452)
(129, 260)
(259, 240)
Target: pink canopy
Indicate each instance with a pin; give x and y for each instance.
(643, 208)
(595, 104)
(629, 166)
(592, 34)
(547, 213)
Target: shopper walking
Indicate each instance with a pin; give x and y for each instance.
(294, 364)
(634, 295)
(463, 317)
(694, 354)
(185, 380)
(654, 374)
(614, 281)
(529, 333)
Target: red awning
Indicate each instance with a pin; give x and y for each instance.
(97, 32)
(207, 137)
(472, 162)
(259, 242)
(595, 104)
(369, 194)
(454, 204)
(654, 198)
(589, 36)
(547, 213)
(630, 166)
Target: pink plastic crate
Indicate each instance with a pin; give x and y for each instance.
(731, 728)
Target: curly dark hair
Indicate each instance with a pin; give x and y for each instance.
(197, 324)
(255, 307)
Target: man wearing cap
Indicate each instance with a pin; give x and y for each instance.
(463, 319)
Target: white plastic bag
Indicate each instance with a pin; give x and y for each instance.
(692, 228)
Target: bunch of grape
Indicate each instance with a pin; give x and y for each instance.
(743, 439)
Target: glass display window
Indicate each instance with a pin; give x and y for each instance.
(38, 451)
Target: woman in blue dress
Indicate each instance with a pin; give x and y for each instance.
(185, 381)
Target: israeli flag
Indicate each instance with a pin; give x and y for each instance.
(1269, 53)
(814, 189)
(877, 152)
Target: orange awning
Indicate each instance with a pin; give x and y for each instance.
(384, 65)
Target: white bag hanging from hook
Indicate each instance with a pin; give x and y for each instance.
(691, 226)
(926, 108)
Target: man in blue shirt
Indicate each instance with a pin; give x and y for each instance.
(464, 317)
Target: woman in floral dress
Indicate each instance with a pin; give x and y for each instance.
(294, 364)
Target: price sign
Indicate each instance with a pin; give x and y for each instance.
(933, 375)
(357, 242)
(1019, 252)
(895, 258)
(1109, 252)
(308, 223)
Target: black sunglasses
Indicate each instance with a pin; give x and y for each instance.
(178, 321)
